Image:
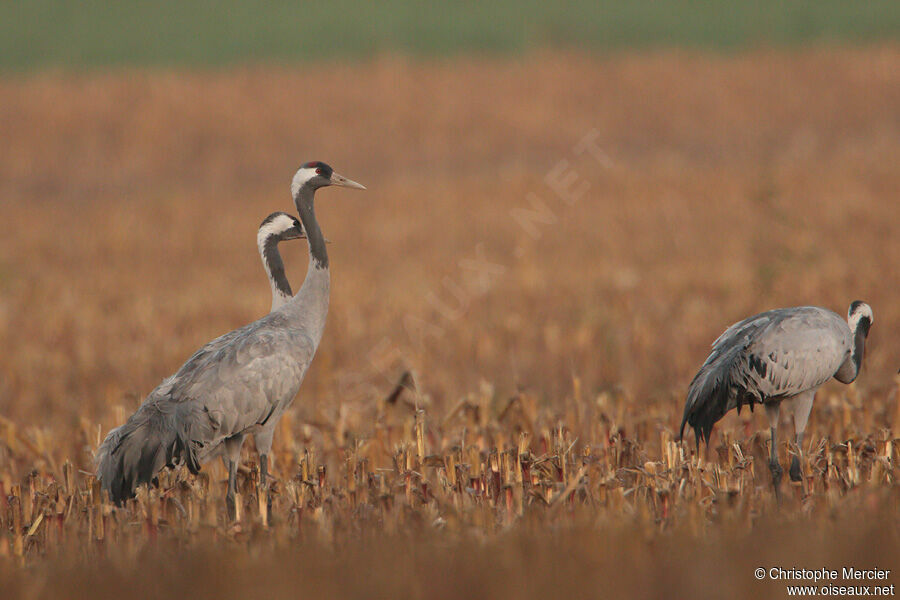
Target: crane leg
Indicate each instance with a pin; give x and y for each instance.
(232, 491)
(264, 446)
(263, 474)
(774, 467)
(802, 406)
(233, 457)
(263, 468)
(772, 410)
(796, 471)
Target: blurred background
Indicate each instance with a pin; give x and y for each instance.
(590, 190)
(56, 33)
(567, 200)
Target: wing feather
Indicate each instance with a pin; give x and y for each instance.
(775, 354)
(236, 382)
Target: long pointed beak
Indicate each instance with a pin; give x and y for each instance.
(342, 181)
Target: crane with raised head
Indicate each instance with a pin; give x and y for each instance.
(238, 384)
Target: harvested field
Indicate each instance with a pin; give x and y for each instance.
(548, 243)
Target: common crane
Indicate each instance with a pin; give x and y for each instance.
(238, 384)
(777, 357)
(274, 229)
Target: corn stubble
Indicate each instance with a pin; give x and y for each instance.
(500, 480)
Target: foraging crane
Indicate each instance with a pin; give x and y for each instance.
(238, 384)
(779, 356)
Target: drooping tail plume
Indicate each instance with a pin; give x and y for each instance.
(713, 393)
(135, 452)
(706, 403)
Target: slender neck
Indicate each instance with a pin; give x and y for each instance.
(274, 266)
(850, 368)
(318, 255)
(309, 307)
(859, 343)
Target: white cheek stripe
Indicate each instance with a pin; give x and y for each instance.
(277, 226)
(863, 311)
(302, 175)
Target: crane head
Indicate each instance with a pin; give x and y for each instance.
(860, 316)
(281, 226)
(316, 174)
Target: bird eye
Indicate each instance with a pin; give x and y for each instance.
(318, 171)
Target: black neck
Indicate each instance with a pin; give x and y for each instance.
(304, 203)
(275, 266)
(859, 342)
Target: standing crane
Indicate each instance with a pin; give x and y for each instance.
(777, 357)
(274, 229)
(238, 384)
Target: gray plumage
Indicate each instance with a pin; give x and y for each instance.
(160, 433)
(776, 356)
(238, 384)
